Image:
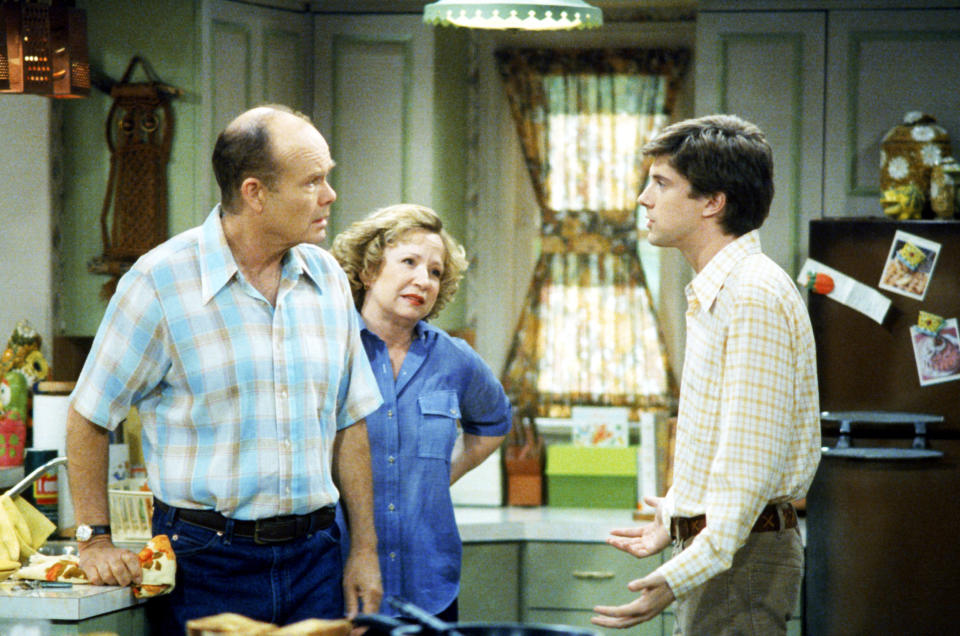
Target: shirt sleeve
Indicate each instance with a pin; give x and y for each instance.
(129, 356)
(485, 408)
(757, 411)
(359, 395)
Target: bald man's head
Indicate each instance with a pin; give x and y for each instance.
(245, 149)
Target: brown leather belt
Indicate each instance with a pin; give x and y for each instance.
(272, 530)
(682, 528)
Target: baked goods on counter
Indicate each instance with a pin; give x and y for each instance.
(227, 623)
(230, 624)
(315, 627)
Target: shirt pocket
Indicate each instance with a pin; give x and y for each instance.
(439, 413)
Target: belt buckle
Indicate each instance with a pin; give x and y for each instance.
(261, 525)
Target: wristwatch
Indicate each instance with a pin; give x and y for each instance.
(85, 532)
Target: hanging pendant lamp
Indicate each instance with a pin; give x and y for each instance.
(528, 15)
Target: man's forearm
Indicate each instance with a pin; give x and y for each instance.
(87, 460)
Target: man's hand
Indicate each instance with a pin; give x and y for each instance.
(106, 564)
(645, 540)
(655, 596)
(361, 582)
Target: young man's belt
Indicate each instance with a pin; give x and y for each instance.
(682, 528)
(272, 530)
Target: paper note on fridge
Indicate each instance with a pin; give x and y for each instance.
(848, 291)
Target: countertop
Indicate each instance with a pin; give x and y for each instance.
(70, 604)
(483, 524)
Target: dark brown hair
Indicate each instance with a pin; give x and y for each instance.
(722, 153)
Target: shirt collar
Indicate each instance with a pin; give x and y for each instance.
(422, 330)
(218, 266)
(708, 283)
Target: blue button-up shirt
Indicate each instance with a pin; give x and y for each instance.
(239, 400)
(442, 382)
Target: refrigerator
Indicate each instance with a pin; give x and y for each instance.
(883, 521)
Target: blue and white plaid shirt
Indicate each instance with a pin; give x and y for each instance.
(239, 400)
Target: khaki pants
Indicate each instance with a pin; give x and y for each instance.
(755, 596)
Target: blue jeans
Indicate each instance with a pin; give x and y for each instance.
(218, 572)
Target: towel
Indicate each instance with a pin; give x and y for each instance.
(23, 529)
(157, 561)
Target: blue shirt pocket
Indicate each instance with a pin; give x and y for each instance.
(439, 413)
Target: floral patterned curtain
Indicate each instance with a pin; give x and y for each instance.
(588, 333)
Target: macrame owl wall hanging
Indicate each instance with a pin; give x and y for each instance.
(139, 135)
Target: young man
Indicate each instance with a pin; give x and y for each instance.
(748, 429)
(239, 344)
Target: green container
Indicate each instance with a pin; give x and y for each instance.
(584, 477)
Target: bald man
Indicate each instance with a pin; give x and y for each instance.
(238, 343)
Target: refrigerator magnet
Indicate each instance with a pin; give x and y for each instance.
(936, 349)
(909, 265)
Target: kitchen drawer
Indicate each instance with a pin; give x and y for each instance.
(581, 618)
(579, 575)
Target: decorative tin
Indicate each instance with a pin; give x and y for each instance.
(945, 188)
(910, 150)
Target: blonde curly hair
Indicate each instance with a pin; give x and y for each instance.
(359, 249)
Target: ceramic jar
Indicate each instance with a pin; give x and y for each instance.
(909, 151)
(945, 188)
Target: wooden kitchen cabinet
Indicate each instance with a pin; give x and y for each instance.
(257, 55)
(825, 83)
(562, 581)
(490, 582)
(767, 67)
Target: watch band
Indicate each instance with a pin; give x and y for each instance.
(86, 532)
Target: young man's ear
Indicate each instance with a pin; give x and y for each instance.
(253, 193)
(715, 204)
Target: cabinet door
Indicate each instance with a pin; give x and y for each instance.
(579, 575)
(882, 65)
(490, 582)
(252, 55)
(374, 102)
(767, 67)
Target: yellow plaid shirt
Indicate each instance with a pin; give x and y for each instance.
(748, 427)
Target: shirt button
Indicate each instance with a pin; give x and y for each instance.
(391, 459)
(393, 555)
(389, 413)
(283, 394)
(391, 507)
(452, 412)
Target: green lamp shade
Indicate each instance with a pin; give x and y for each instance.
(529, 15)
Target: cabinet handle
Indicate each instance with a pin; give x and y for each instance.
(593, 575)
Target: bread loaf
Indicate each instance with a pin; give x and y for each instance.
(227, 623)
(315, 627)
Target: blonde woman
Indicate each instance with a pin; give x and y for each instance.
(403, 267)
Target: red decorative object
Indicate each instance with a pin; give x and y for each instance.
(819, 283)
